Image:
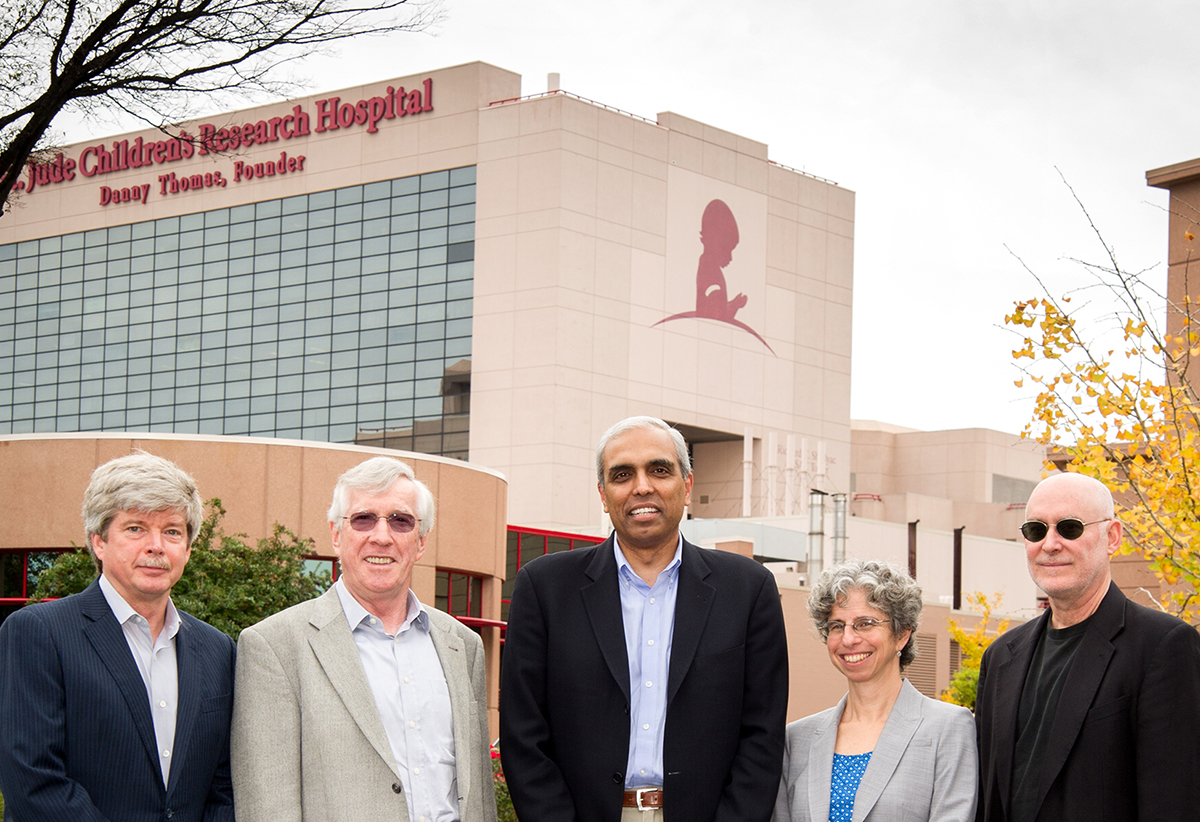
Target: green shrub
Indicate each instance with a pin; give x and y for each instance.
(227, 583)
(504, 805)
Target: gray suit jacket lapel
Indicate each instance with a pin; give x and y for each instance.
(820, 767)
(333, 645)
(902, 723)
(451, 652)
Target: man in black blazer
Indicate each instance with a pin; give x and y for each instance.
(1091, 711)
(612, 700)
(113, 704)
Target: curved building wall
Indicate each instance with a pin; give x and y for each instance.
(260, 482)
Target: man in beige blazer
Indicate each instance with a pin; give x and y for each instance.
(363, 704)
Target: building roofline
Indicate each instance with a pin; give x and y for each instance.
(274, 441)
(1174, 174)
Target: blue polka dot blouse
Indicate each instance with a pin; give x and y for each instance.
(848, 772)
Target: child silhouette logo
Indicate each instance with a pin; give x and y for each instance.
(719, 236)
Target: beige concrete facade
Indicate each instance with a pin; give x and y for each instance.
(948, 479)
(588, 236)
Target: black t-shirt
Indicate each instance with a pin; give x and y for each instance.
(1048, 671)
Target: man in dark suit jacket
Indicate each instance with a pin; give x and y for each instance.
(613, 699)
(113, 704)
(1091, 711)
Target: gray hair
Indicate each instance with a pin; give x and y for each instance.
(886, 588)
(376, 476)
(138, 482)
(630, 423)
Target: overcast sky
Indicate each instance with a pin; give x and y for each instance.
(948, 120)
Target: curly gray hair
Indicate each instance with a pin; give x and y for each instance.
(886, 588)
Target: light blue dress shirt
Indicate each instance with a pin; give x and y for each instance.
(158, 665)
(410, 691)
(648, 615)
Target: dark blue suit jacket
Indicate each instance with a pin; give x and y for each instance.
(76, 737)
(564, 702)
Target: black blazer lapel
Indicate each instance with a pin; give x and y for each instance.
(602, 601)
(1008, 680)
(693, 603)
(104, 633)
(1079, 691)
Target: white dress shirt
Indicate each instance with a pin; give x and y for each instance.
(156, 663)
(410, 691)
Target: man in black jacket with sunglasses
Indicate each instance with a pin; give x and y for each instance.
(1089, 712)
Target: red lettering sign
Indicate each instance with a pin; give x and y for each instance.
(331, 114)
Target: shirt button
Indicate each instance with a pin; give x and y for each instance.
(650, 642)
(406, 680)
(374, 621)
(651, 600)
(643, 771)
(162, 704)
(646, 727)
(412, 724)
(166, 754)
(417, 771)
(649, 684)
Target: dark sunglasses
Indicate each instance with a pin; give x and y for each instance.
(1070, 528)
(365, 521)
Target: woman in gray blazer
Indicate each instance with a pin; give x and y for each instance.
(885, 752)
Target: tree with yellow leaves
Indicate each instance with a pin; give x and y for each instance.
(965, 681)
(1117, 401)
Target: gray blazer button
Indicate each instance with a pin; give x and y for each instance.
(396, 787)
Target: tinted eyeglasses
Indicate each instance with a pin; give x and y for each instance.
(365, 521)
(862, 626)
(1070, 528)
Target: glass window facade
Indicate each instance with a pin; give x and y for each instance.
(458, 594)
(338, 316)
(19, 571)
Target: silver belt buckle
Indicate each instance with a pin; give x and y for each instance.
(641, 791)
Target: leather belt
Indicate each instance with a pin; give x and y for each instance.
(644, 799)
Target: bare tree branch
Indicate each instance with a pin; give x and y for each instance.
(148, 57)
(1116, 400)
